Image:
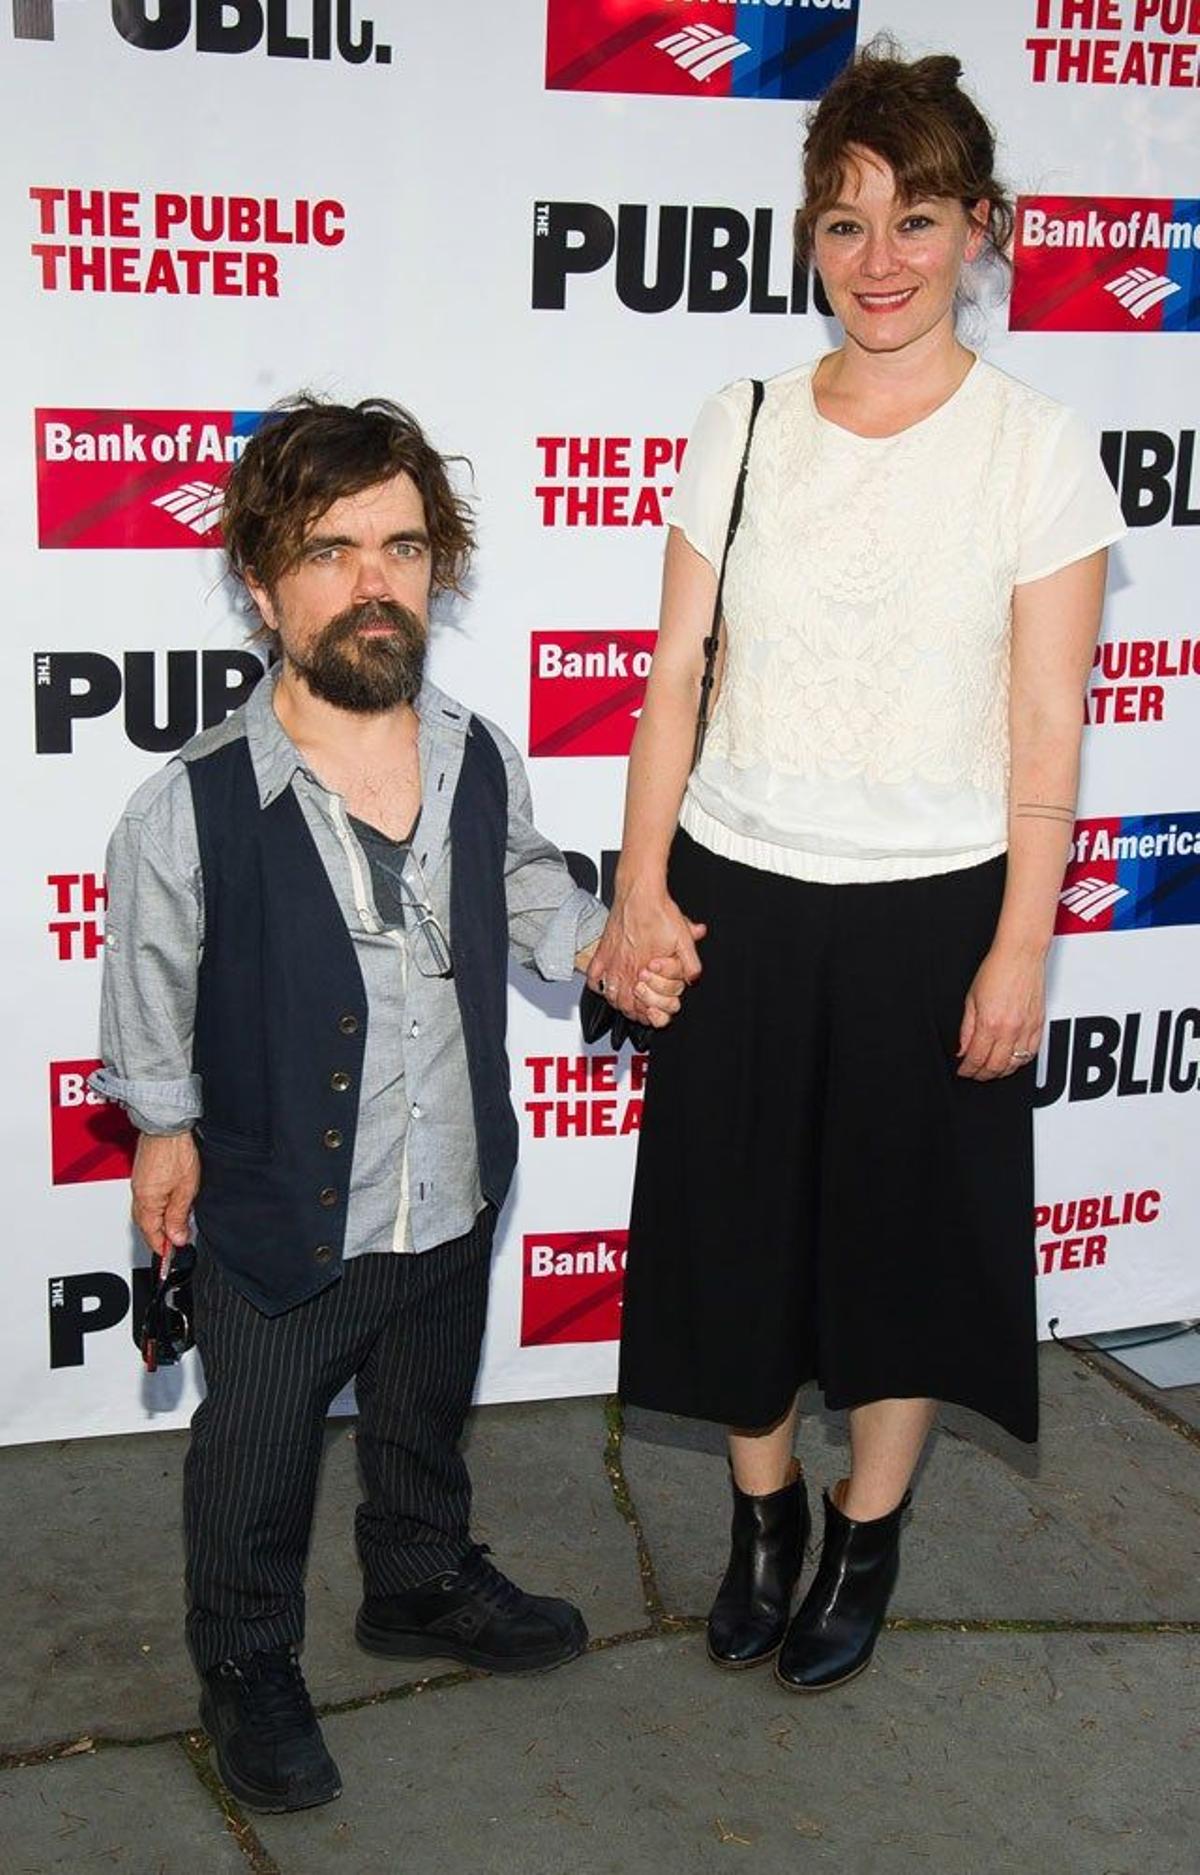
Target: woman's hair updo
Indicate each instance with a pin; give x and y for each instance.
(914, 115)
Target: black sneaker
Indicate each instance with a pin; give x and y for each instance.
(476, 1615)
(270, 1752)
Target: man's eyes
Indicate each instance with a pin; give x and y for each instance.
(400, 549)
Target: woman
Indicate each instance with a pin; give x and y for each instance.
(835, 1169)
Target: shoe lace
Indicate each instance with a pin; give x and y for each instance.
(274, 1696)
(483, 1580)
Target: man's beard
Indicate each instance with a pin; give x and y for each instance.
(366, 674)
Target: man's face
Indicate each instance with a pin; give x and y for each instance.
(352, 613)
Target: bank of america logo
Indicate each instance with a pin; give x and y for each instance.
(1140, 291)
(702, 50)
(1089, 899)
(196, 504)
(719, 49)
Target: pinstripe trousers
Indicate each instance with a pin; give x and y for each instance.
(407, 1329)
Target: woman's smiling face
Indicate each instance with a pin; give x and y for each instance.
(891, 268)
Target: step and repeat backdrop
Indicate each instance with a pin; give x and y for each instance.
(550, 229)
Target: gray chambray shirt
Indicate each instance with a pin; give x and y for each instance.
(414, 1181)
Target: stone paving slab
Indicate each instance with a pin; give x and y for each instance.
(1181, 1402)
(963, 1754)
(1101, 1524)
(94, 1580)
(120, 1812)
(542, 1501)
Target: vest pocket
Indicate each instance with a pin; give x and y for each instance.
(226, 1145)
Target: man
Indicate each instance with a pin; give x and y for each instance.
(310, 914)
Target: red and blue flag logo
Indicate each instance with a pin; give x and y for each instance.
(1106, 264)
(699, 48)
(136, 478)
(90, 1137)
(586, 690)
(572, 1286)
(1132, 874)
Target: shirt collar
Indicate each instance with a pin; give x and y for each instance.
(276, 759)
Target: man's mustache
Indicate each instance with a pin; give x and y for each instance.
(373, 612)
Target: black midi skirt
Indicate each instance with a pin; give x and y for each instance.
(818, 1194)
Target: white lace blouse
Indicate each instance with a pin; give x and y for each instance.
(861, 732)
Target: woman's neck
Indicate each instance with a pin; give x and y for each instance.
(888, 390)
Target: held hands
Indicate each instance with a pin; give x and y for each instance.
(1003, 1016)
(646, 957)
(166, 1178)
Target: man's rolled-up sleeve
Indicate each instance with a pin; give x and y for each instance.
(550, 918)
(152, 941)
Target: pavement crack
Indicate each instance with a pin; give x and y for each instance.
(945, 1624)
(614, 1420)
(194, 1746)
(409, 1689)
(667, 1627)
(77, 1748)
(1163, 1414)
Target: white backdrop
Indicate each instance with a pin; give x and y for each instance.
(394, 220)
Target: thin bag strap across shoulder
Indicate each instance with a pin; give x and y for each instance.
(712, 643)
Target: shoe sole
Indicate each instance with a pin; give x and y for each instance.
(418, 1646)
(826, 1686)
(252, 1796)
(742, 1666)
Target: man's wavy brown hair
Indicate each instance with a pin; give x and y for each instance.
(310, 453)
(913, 114)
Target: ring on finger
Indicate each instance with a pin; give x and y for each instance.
(1022, 1054)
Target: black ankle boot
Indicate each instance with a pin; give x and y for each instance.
(836, 1626)
(766, 1555)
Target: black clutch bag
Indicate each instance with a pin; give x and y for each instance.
(597, 1016)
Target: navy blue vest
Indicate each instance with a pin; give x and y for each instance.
(281, 1020)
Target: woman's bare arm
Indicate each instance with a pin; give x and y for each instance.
(645, 926)
(1056, 622)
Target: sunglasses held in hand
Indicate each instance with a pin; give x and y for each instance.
(166, 1331)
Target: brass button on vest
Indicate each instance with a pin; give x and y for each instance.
(322, 1253)
(339, 1081)
(348, 1025)
(327, 1196)
(331, 1138)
